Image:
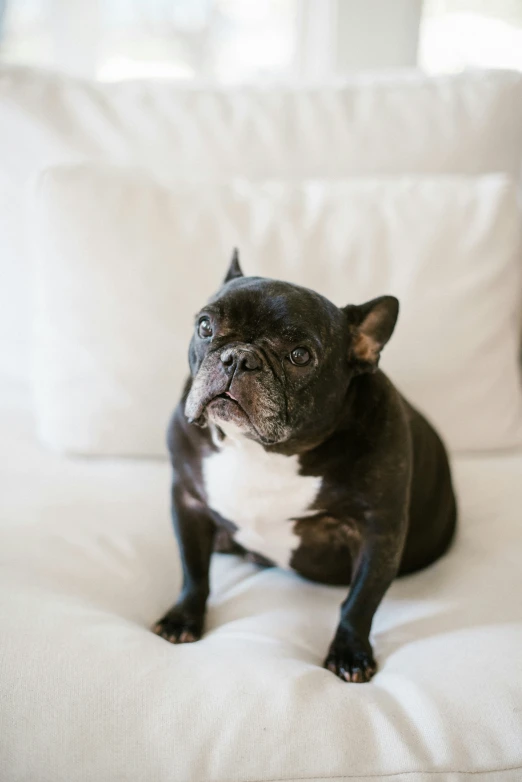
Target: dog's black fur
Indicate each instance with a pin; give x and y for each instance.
(386, 505)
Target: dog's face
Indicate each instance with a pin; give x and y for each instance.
(275, 360)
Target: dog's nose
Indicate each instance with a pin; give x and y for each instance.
(249, 361)
(240, 359)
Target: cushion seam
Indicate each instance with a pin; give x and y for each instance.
(384, 775)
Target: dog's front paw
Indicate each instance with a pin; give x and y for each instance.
(179, 628)
(351, 658)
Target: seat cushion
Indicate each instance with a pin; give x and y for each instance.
(88, 693)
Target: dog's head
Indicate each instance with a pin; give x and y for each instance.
(276, 360)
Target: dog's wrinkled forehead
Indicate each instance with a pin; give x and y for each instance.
(255, 306)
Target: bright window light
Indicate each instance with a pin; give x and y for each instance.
(458, 34)
(223, 40)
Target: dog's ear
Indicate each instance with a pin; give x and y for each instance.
(234, 270)
(371, 326)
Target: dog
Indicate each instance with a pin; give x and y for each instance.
(289, 446)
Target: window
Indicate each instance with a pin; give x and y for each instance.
(227, 40)
(251, 40)
(457, 34)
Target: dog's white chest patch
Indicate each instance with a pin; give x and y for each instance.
(261, 493)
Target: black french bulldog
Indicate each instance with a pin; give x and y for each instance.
(290, 447)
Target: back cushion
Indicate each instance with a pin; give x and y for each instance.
(469, 123)
(123, 264)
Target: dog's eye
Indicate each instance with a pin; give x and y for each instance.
(300, 357)
(205, 328)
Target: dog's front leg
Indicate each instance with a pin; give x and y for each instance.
(350, 655)
(195, 531)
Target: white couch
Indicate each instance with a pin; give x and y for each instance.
(88, 560)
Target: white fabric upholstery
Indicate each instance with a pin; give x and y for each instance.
(87, 557)
(88, 694)
(124, 264)
(469, 123)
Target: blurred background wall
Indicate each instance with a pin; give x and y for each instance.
(247, 40)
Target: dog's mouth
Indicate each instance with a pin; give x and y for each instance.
(256, 417)
(234, 411)
(231, 404)
(228, 397)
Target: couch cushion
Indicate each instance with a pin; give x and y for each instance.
(124, 264)
(88, 693)
(469, 123)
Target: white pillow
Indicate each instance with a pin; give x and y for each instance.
(124, 264)
(369, 125)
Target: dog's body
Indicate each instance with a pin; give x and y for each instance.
(304, 456)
